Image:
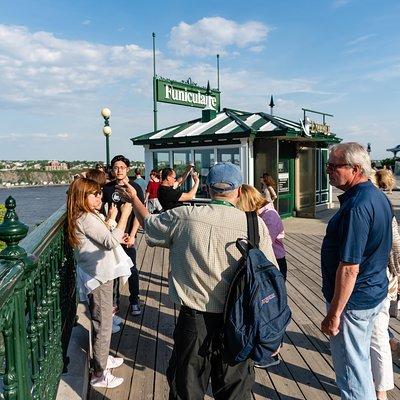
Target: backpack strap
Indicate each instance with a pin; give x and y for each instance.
(252, 229)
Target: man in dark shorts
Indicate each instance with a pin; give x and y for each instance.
(120, 168)
(168, 193)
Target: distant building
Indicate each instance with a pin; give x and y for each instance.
(56, 166)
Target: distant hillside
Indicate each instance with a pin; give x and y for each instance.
(26, 177)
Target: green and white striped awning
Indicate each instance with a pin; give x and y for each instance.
(229, 125)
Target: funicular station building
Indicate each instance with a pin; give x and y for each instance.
(257, 142)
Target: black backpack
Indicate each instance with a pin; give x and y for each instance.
(256, 312)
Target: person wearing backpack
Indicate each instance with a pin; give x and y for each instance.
(203, 259)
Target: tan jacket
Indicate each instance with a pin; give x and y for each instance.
(203, 253)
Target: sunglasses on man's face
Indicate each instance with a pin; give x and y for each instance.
(336, 166)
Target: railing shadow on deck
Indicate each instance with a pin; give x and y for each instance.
(37, 306)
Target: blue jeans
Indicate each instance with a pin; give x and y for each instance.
(350, 350)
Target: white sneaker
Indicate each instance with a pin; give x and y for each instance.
(114, 362)
(107, 380)
(115, 328)
(117, 320)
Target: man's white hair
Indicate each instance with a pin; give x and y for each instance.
(354, 154)
(226, 193)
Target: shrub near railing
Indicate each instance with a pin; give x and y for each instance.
(37, 306)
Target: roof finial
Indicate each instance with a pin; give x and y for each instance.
(272, 104)
(208, 92)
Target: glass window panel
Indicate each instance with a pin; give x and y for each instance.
(161, 159)
(324, 177)
(318, 169)
(229, 155)
(203, 161)
(181, 158)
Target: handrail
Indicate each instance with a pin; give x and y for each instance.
(37, 307)
(38, 239)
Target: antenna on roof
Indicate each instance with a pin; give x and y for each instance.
(272, 105)
(219, 105)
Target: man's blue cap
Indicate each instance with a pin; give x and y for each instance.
(224, 176)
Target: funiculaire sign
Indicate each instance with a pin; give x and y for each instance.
(184, 94)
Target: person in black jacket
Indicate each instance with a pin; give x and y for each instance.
(120, 167)
(168, 193)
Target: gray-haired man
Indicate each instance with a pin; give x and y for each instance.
(203, 259)
(354, 259)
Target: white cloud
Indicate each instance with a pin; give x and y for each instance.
(86, 22)
(212, 35)
(35, 136)
(340, 3)
(385, 73)
(38, 66)
(360, 39)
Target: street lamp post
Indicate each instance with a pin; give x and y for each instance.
(369, 149)
(106, 113)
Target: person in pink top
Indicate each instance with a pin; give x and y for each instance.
(252, 200)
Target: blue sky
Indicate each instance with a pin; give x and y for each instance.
(62, 61)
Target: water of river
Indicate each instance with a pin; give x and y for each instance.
(35, 204)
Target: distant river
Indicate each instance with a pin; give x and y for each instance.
(35, 204)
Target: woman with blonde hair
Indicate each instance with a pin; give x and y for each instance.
(385, 179)
(383, 342)
(98, 264)
(252, 200)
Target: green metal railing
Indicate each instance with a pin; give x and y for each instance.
(37, 306)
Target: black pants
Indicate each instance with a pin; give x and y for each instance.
(282, 266)
(133, 280)
(196, 357)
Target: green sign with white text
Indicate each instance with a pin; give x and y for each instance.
(185, 94)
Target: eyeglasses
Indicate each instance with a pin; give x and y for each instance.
(96, 193)
(336, 166)
(119, 168)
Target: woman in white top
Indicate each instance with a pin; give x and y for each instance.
(268, 188)
(96, 253)
(381, 357)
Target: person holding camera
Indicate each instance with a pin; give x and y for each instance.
(168, 193)
(120, 167)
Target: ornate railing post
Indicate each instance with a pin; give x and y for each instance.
(12, 231)
(13, 327)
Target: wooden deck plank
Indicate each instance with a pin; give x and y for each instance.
(127, 346)
(166, 326)
(306, 370)
(143, 377)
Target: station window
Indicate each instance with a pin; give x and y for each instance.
(181, 158)
(161, 159)
(203, 161)
(229, 155)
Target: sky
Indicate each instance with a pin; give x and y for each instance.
(62, 61)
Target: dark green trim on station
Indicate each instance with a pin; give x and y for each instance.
(282, 128)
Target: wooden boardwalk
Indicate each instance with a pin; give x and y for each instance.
(305, 371)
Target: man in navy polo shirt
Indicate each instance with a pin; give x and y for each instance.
(354, 259)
